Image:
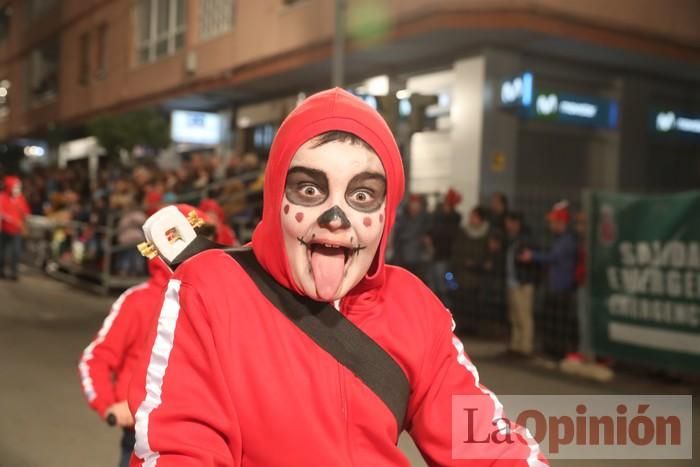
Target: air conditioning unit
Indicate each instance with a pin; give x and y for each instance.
(191, 62)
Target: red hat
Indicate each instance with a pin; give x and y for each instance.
(10, 182)
(452, 197)
(210, 205)
(560, 212)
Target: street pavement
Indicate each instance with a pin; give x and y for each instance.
(45, 421)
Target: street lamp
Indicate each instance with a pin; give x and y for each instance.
(337, 78)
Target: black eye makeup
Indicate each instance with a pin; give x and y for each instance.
(306, 187)
(366, 191)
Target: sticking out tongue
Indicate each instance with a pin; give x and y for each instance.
(327, 266)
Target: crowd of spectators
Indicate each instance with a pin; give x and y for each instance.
(83, 209)
(491, 269)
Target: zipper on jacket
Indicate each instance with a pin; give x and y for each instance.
(346, 418)
(344, 402)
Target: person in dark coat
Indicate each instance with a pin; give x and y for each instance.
(469, 253)
(492, 300)
(444, 229)
(498, 209)
(411, 242)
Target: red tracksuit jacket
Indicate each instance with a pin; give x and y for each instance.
(107, 364)
(230, 381)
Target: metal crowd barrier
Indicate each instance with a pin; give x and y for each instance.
(85, 254)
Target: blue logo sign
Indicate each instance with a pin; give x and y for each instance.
(673, 122)
(570, 108)
(519, 93)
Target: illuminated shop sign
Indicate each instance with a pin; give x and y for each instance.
(517, 91)
(571, 108)
(195, 127)
(520, 93)
(672, 122)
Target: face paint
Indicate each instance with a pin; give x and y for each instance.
(367, 221)
(299, 216)
(334, 218)
(334, 187)
(286, 209)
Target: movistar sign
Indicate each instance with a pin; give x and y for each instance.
(571, 108)
(670, 121)
(517, 91)
(520, 93)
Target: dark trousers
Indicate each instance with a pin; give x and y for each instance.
(10, 250)
(465, 309)
(127, 444)
(559, 324)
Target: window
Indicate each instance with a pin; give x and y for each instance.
(160, 28)
(43, 72)
(102, 31)
(263, 136)
(4, 98)
(5, 14)
(84, 61)
(38, 8)
(215, 17)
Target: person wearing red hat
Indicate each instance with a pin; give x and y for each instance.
(559, 322)
(13, 212)
(107, 363)
(234, 378)
(224, 233)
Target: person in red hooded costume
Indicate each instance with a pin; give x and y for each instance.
(231, 381)
(108, 362)
(13, 212)
(224, 233)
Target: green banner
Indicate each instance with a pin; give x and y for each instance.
(644, 278)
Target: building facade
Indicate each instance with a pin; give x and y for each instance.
(63, 62)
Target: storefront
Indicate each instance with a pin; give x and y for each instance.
(673, 149)
(83, 153)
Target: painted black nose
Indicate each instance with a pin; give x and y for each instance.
(334, 219)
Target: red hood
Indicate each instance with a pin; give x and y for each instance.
(210, 205)
(160, 273)
(334, 109)
(10, 182)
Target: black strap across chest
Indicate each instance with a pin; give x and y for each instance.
(328, 328)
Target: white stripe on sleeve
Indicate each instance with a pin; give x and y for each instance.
(503, 427)
(84, 366)
(157, 365)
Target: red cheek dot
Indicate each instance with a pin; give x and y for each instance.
(286, 209)
(367, 221)
(299, 216)
(381, 218)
